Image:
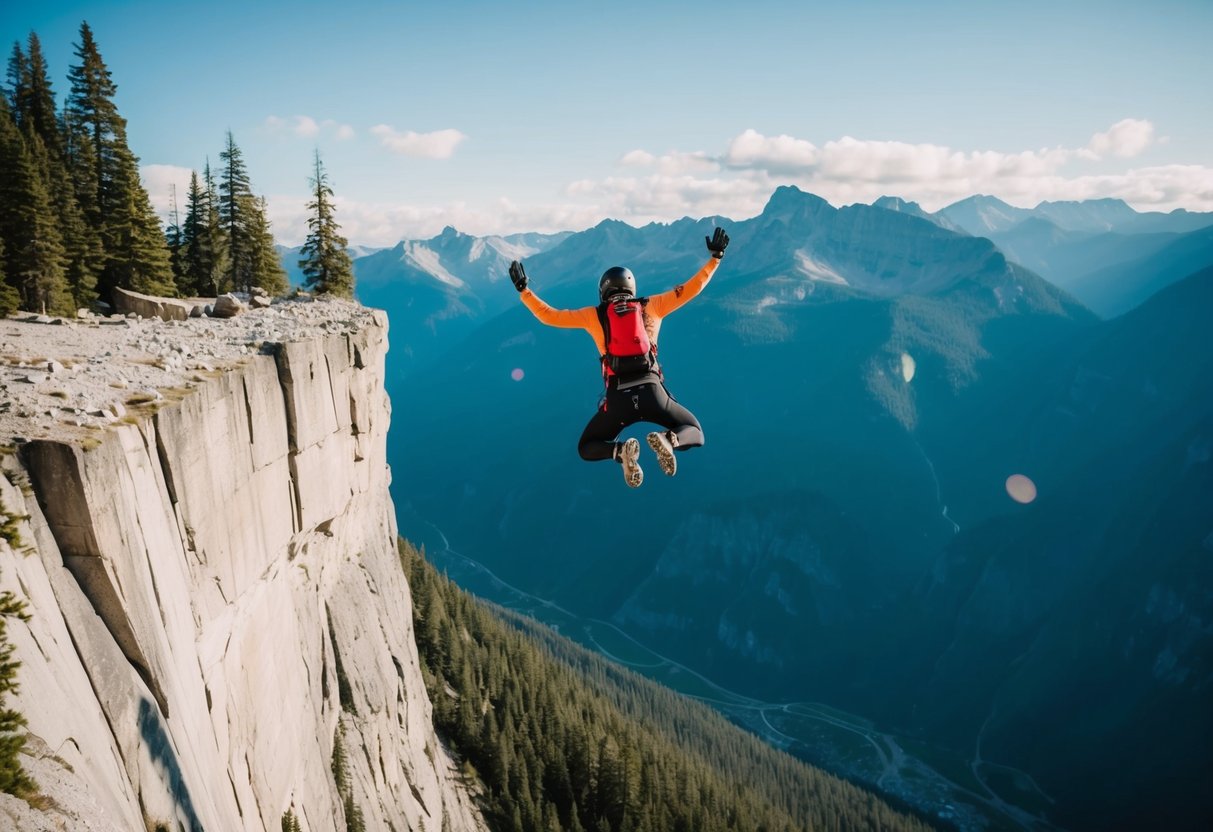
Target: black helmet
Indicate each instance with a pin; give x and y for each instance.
(616, 281)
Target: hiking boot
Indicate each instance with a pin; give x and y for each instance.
(629, 457)
(664, 448)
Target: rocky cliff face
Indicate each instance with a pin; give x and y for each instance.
(218, 616)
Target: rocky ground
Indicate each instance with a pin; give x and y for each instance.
(65, 377)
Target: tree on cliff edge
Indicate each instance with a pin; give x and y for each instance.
(326, 262)
(13, 778)
(106, 176)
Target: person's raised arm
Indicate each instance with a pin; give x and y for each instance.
(566, 318)
(667, 302)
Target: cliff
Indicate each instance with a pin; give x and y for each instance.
(209, 560)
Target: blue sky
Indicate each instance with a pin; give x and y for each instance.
(504, 117)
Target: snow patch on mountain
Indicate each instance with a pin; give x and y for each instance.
(428, 261)
(816, 270)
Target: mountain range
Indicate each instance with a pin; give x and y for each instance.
(869, 377)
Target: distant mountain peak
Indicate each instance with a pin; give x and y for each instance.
(788, 201)
(896, 203)
(913, 209)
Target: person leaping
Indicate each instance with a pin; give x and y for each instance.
(625, 329)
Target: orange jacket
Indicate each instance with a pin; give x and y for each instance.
(587, 317)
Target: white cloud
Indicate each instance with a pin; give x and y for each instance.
(1127, 137)
(158, 181)
(781, 153)
(849, 169)
(307, 126)
(440, 144)
(671, 164)
(385, 224)
(736, 183)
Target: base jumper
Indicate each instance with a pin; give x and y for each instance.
(625, 328)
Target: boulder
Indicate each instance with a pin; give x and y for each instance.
(227, 306)
(149, 306)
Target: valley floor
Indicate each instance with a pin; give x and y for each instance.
(969, 794)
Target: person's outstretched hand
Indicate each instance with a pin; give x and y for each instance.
(518, 275)
(718, 243)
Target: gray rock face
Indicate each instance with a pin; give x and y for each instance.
(197, 575)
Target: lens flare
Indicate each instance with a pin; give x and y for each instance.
(1021, 489)
(517, 374)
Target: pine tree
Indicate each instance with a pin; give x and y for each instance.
(201, 242)
(195, 275)
(37, 112)
(37, 117)
(33, 247)
(234, 190)
(106, 176)
(325, 261)
(93, 122)
(137, 257)
(10, 298)
(214, 225)
(13, 778)
(17, 89)
(267, 267)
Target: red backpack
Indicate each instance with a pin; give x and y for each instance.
(629, 353)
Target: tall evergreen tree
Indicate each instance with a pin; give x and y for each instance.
(33, 247)
(94, 120)
(216, 237)
(267, 266)
(82, 246)
(38, 112)
(326, 263)
(10, 298)
(234, 191)
(114, 201)
(137, 257)
(17, 88)
(197, 253)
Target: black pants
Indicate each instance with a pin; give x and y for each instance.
(649, 402)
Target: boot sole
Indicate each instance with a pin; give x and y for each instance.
(635, 476)
(665, 454)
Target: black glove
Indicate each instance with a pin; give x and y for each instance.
(518, 275)
(718, 243)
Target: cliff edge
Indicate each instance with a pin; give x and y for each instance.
(220, 631)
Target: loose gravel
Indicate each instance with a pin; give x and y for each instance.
(69, 378)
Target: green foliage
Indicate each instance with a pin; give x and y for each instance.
(234, 203)
(76, 221)
(354, 821)
(290, 823)
(267, 267)
(563, 739)
(105, 173)
(10, 298)
(325, 261)
(204, 256)
(13, 778)
(33, 246)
